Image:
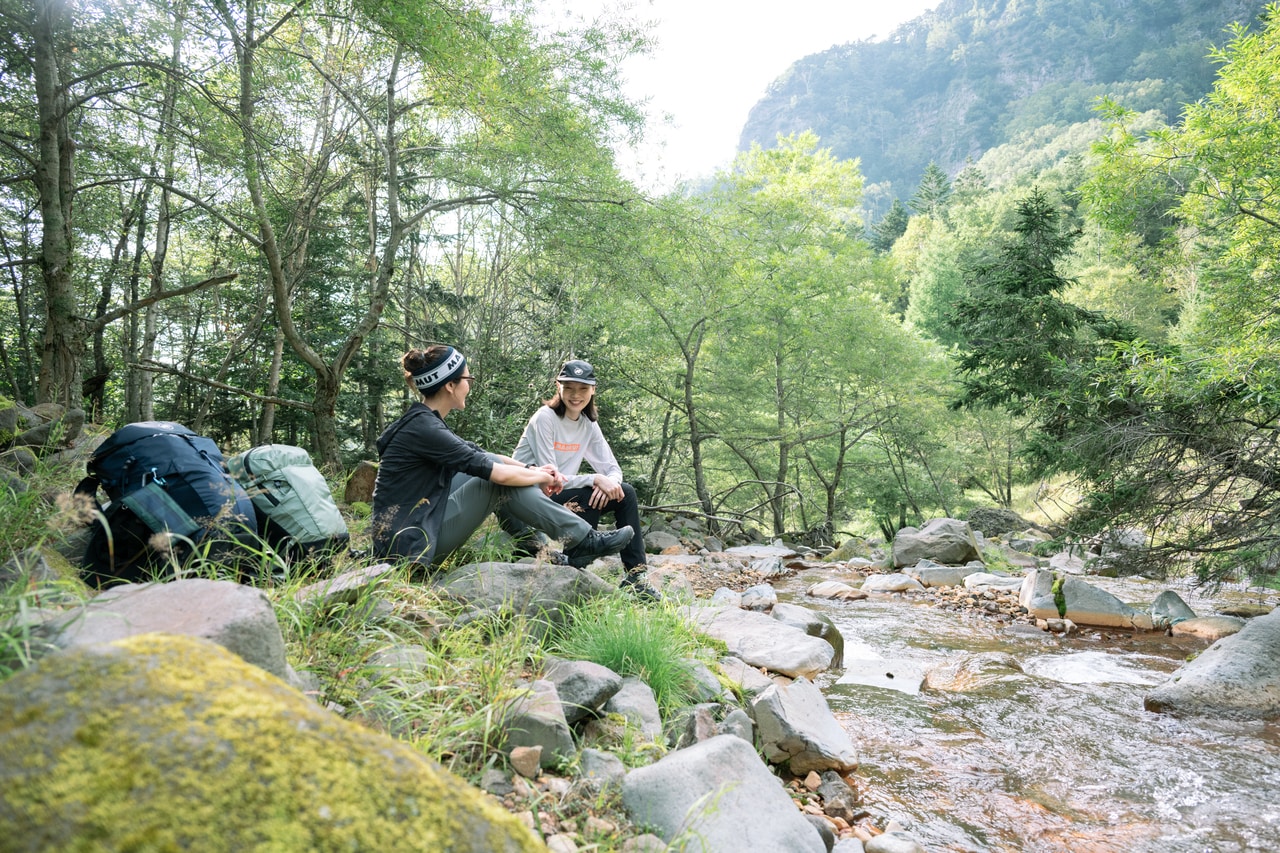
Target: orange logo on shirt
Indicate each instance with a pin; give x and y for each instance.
(567, 448)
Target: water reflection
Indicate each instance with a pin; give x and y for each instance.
(1038, 744)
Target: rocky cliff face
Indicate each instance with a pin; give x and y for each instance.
(969, 76)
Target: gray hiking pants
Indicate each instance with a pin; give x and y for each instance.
(471, 500)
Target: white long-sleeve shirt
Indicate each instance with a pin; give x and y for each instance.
(549, 438)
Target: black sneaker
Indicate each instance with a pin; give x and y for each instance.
(597, 544)
(635, 582)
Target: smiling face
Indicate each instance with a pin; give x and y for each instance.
(576, 396)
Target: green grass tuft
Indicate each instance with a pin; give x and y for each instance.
(651, 643)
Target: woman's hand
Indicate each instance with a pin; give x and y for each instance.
(604, 490)
(556, 485)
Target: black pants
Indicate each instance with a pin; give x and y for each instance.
(626, 513)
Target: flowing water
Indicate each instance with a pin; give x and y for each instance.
(1060, 756)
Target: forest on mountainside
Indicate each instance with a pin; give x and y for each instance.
(970, 76)
(238, 218)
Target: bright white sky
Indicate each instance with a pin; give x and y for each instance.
(715, 58)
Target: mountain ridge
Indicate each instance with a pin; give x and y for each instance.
(971, 75)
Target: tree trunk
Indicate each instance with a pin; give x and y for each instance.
(62, 344)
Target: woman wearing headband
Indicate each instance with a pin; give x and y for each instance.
(434, 489)
(563, 434)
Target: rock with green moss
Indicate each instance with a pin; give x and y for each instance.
(160, 742)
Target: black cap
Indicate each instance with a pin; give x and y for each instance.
(577, 371)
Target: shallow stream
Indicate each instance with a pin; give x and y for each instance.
(1058, 757)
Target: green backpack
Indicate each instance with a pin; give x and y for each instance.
(296, 512)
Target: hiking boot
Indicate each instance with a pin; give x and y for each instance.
(597, 544)
(636, 583)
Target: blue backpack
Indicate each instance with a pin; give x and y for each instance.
(160, 478)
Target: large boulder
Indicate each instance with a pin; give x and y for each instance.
(763, 641)
(1084, 603)
(1236, 677)
(721, 796)
(162, 742)
(798, 729)
(540, 591)
(238, 618)
(942, 540)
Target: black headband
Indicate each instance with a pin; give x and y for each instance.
(445, 369)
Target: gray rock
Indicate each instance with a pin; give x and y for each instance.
(659, 541)
(762, 641)
(719, 794)
(760, 597)
(692, 725)
(536, 718)
(238, 618)
(849, 845)
(1085, 604)
(943, 540)
(727, 597)
(1211, 628)
(496, 782)
(1237, 677)
(706, 686)
(838, 799)
(769, 567)
(635, 701)
(539, 592)
(738, 723)
(814, 624)
(346, 588)
(601, 769)
(1169, 609)
(797, 728)
(824, 830)
(583, 686)
(894, 842)
(749, 680)
(895, 582)
(171, 729)
(936, 576)
(992, 581)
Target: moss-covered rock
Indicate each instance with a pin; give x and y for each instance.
(160, 742)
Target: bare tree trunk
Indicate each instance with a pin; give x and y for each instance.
(267, 423)
(63, 342)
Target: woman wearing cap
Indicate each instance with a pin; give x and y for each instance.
(433, 489)
(562, 434)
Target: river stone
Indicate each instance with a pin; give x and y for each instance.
(1211, 628)
(987, 580)
(164, 742)
(1237, 677)
(935, 576)
(943, 540)
(720, 793)
(763, 641)
(896, 582)
(797, 728)
(1169, 609)
(814, 624)
(1085, 604)
(1067, 563)
(760, 597)
(893, 842)
(836, 590)
(238, 618)
(973, 672)
(660, 541)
